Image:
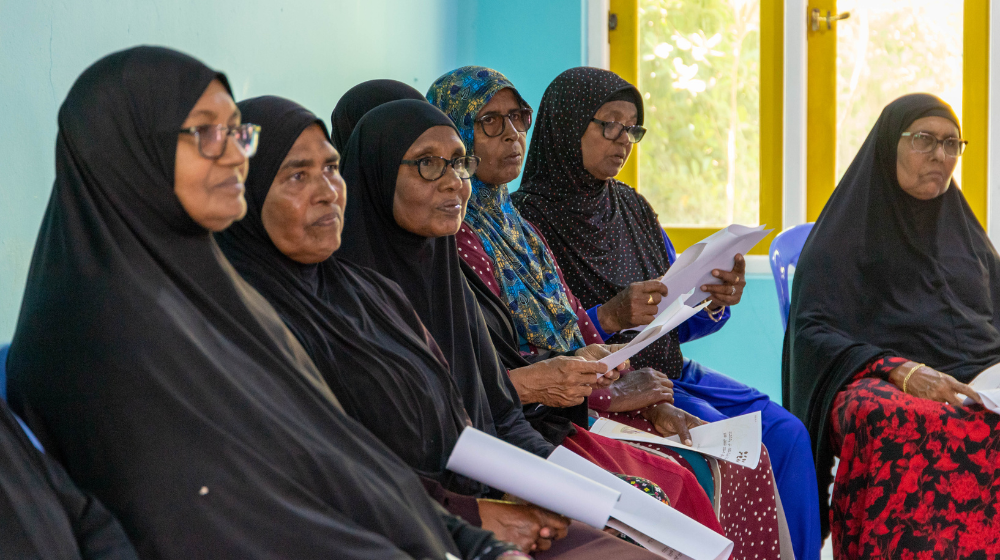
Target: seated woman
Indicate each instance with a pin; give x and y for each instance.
(408, 175)
(509, 257)
(164, 383)
(361, 332)
(895, 307)
(607, 238)
(43, 514)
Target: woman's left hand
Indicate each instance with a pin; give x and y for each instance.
(731, 290)
(596, 353)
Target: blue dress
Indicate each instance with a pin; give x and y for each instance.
(713, 396)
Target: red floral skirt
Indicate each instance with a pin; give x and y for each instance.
(917, 478)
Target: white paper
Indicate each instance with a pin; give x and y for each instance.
(667, 320)
(987, 384)
(500, 465)
(693, 268)
(736, 440)
(661, 528)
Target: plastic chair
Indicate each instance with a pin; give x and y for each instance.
(785, 250)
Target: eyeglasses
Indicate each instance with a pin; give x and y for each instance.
(925, 143)
(432, 168)
(494, 123)
(213, 138)
(613, 130)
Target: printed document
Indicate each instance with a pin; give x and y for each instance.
(736, 440)
(667, 320)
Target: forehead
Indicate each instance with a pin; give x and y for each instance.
(502, 102)
(436, 139)
(311, 140)
(618, 110)
(939, 126)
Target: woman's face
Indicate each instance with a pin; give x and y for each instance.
(431, 208)
(604, 158)
(303, 212)
(926, 175)
(211, 190)
(503, 155)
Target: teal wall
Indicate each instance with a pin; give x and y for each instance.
(748, 347)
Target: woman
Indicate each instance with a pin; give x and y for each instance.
(509, 256)
(43, 514)
(362, 333)
(894, 309)
(167, 386)
(400, 221)
(606, 237)
(359, 100)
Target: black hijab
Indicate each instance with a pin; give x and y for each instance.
(360, 330)
(43, 514)
(427, 269)
(603, 234)
(166, 385)
(363, 98)
(883, 273)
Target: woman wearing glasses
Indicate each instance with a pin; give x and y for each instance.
(895, 307)
(162, 381)
(606, 238)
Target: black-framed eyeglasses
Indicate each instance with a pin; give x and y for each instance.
(213, 138)
(494, 124)
(613, 130)
(432, 168)
(924, 142)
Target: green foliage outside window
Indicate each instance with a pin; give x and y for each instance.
(699, 72)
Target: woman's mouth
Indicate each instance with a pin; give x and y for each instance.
(451, 208)
(327, 220)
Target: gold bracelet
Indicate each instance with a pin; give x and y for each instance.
(907, 378)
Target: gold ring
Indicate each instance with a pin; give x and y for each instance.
(650, 300)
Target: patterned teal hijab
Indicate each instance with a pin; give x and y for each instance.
(525, 269)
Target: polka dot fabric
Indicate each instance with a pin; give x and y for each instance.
(603, 234)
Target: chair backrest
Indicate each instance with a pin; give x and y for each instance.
(785, 251)
(3, 370)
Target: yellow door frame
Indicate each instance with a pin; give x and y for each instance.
(624, 57)
(821, 122)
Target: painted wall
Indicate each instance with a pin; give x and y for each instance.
(308, 50)
(748, 347)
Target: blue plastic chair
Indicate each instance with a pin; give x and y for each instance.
(3, 370)
(785, 250)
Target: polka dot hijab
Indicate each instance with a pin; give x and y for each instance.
(604, 234)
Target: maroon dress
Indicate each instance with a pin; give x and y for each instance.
(917, 478)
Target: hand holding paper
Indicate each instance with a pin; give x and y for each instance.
(987, 385)
(693, 268)
(668, 319)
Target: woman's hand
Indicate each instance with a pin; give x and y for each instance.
(557, 382)
(634, 306)
(596, 352)
(670, 420)
(529, 527)
(731, 290)
(639, 389)
(928, 383)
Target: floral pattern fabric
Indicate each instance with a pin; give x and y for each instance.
(917, 479)
(543, 315)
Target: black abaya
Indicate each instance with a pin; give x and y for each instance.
(166, 385)
(427, 269)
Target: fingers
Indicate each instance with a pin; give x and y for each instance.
(739, 265)
(681, 427)
(963, 389)
(650, 287)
